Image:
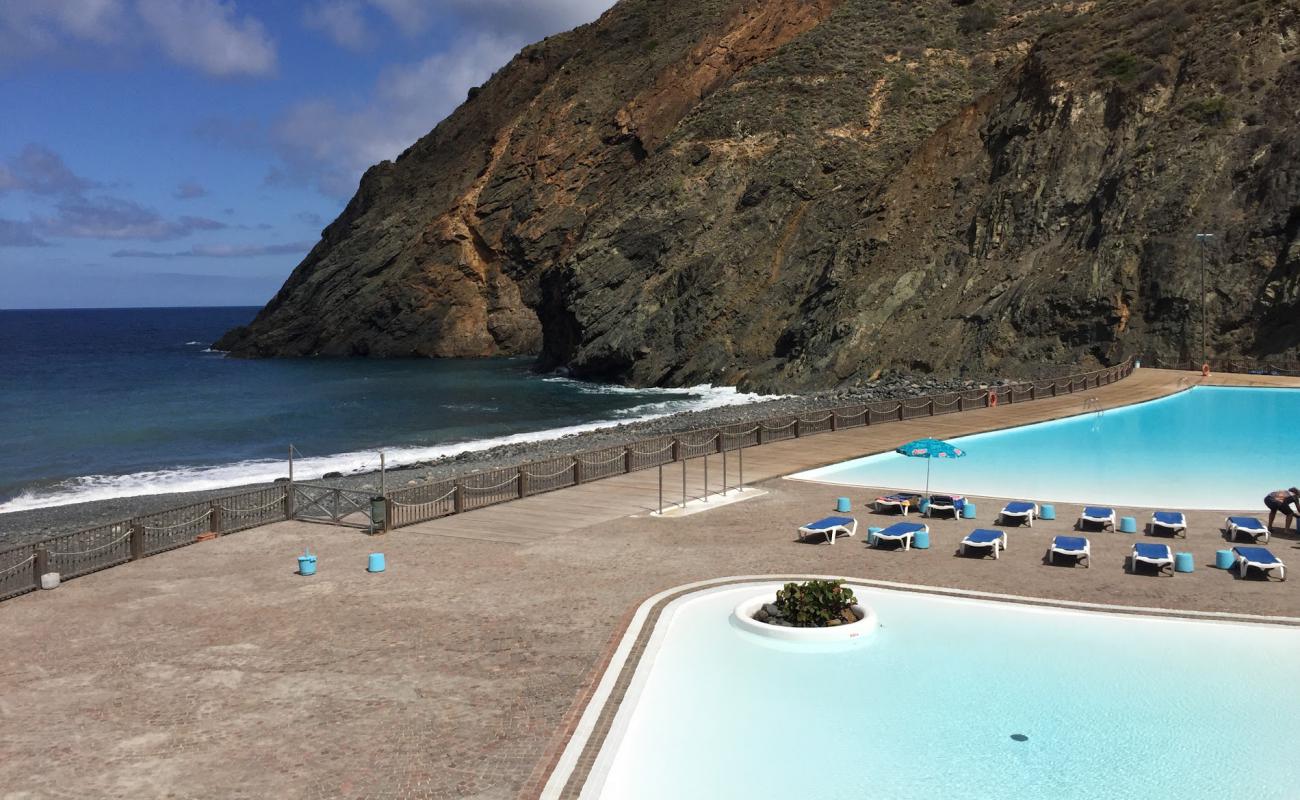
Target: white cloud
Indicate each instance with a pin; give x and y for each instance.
(322, 141)
(33, 27)
(342, 21)
(210, 36)
(222, 251)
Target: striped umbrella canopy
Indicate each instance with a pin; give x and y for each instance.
(930, 449)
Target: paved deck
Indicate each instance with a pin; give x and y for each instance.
(214, 671)
(567, 510)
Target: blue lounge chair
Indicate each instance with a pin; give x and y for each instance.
(1076, 546)
(899, 502)
(945, 503)
(1250, 526)
(1097, 515)
(983, 537)
(1260, 558)
(1019, 511)
(830, 527)
(1171, 522)
(1157, 555)
(900, 532)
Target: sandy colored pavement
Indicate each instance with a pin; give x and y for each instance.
(215, 671)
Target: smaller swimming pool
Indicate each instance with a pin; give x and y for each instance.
(957, 698)
(1206, 448)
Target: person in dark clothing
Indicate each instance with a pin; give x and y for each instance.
(1285, 500)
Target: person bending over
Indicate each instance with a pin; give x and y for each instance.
(1285, 500)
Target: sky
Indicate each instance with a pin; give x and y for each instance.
(189, 152)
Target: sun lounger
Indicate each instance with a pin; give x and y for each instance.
(897, 502)
(946, 504)
(983, 537)
(830, 527)
(1020, 511)
(1098, 515)
(1158, 555)
(1076, 546)
(1249, 526)
(1171, 522)
(1260, 558)
(901, 532)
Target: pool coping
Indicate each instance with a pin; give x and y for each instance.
(569, 761)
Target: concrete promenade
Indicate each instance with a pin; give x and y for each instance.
(215, 671)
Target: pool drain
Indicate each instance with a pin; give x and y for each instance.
(1019, 737)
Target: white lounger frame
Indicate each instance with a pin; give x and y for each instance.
(1234, 528)
(905, 538)
(930, 508)
(1105, 522)
(1243, 564)
(998, 544)
(1176, 530)
(1027, 516)
(1084, 555)
(1158, 563)
(831, 532)
(881, 504)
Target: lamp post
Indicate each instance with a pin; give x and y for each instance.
(1203, 238)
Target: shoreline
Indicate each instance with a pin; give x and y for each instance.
(17, 527)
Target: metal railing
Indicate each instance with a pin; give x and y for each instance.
(80, 553)
(83, 552)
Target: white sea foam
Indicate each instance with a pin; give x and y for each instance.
(204, 478)
(190, 343)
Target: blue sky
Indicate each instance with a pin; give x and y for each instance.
(188, 152)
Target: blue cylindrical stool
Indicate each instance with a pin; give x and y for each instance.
(871, 534)
(1223, 559)
(1046, 511)
(1129, 525)
(921, 540)
(924, 505)
(842, 505)
(1183, 562)
(376, 563)
(306, 564)
(968, 510)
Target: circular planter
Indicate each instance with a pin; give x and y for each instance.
(863, 628)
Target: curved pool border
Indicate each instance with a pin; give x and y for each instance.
(1057, 420)
(569, 762)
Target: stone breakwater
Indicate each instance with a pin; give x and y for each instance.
(21, 526)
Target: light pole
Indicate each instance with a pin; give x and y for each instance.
(1203, 238)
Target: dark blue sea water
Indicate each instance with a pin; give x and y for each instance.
(110, 403)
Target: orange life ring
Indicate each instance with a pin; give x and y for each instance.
(993, 399)
(1205, 370)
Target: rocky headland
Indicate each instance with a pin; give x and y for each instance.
(791, 194)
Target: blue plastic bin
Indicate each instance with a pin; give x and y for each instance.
(968, 510)
(1047, 511)
(871, 534)
(1223, 559)
(376, 563)
(842, 505)
(1184, 562)
(1128, 525)
(921, 540)
(306, 564)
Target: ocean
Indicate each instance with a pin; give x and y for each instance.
(107, 403)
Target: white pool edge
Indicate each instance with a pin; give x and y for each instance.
(565, 765)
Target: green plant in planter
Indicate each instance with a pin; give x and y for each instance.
(814, 604)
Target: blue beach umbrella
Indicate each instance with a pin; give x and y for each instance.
(930, 449)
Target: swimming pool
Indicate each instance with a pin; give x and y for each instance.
(1206, 448)
(1112, 706)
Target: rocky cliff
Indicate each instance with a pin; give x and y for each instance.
(796, 193)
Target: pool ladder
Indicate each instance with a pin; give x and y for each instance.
(1093, 405)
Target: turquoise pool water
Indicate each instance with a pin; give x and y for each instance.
(1207, 448)
(1114, 706)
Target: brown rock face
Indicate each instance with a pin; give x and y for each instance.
(794, 193)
